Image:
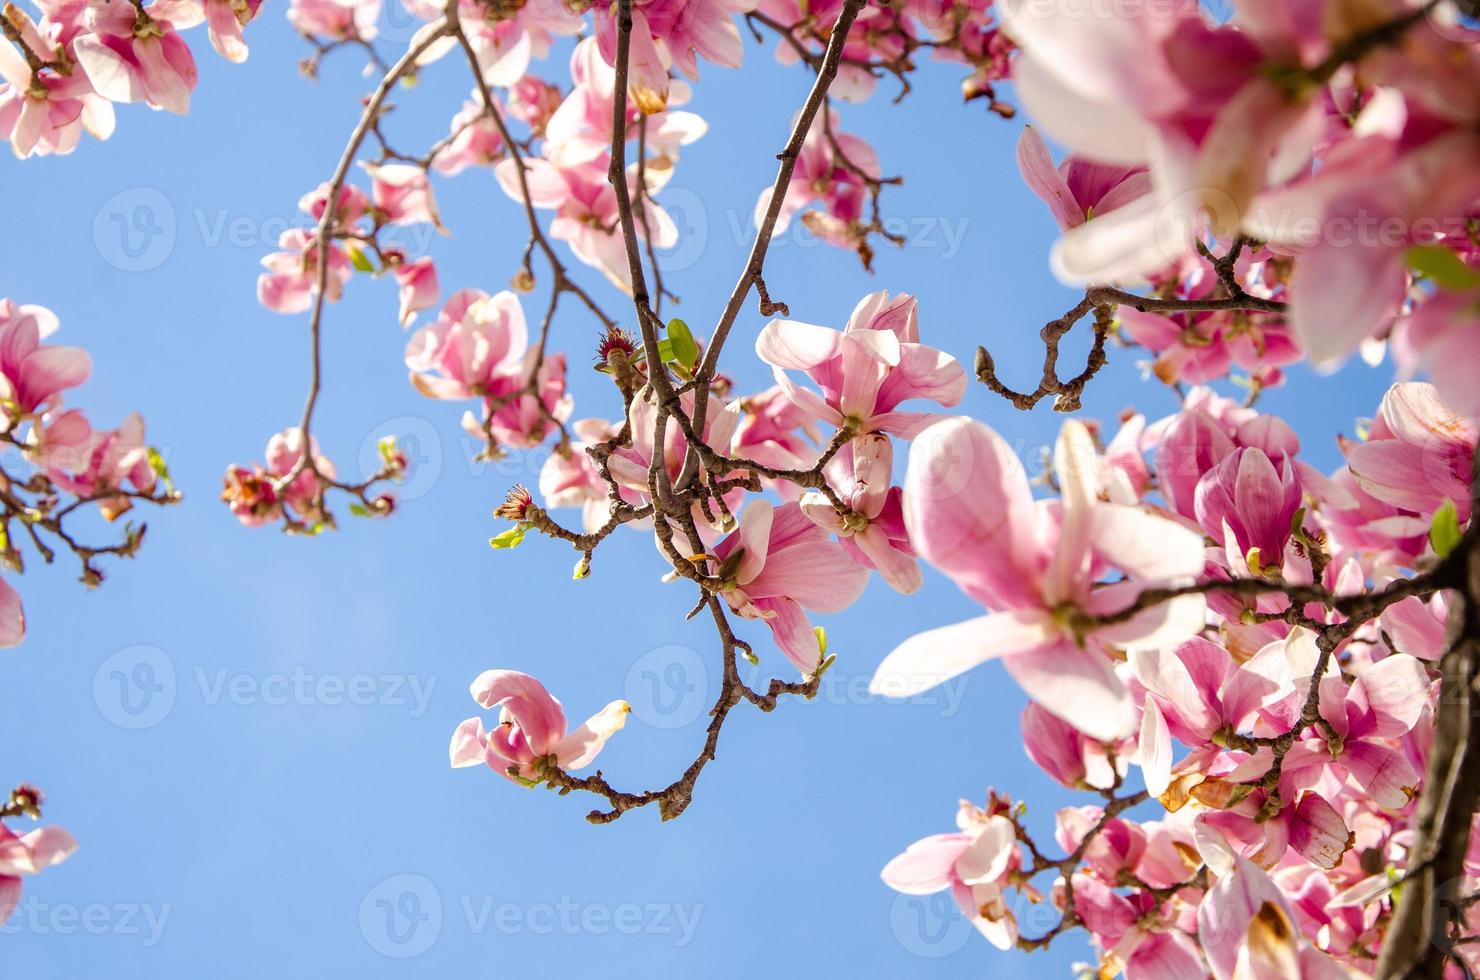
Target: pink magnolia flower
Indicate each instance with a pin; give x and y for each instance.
(531, 728)
(45, 111)
(28, 854)
(12, 622)
(1162, 87)
(1077, 189)
(778, 564)
(1200, 347)
(775, 431)
(975, 863)
(476, 347)
(291, 279)
(1384, 703)
(533, 101)
(1201, 693)
(823, 176)
(1418, 454)
(872, 532)
(224, 22)
(253, 495)
(570, 478)
(1246, 929)
(136, 54)
(629, 465)
(507, 38)
(418, 286)
(1063, 751)
(476, 140)
(91, 463)
(402, 194)
(344, 19)
(866, 370)
(32, 374)
(521, 418)
(580, 130)
(586, 213)
(1249, 504)
(672, 32)
(971, 514)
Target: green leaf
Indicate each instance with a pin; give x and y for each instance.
(665, 350)
(1443, 266)
(685, 350)
(358, 259)
(157, 464)
(512, 538)
(1445, 534)
(359, 510)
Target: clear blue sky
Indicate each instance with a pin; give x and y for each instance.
(258, 824)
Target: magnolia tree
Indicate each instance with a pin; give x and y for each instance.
(1287, 657)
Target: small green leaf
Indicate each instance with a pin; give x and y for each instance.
(359, 510)
(157, 464)
(685, 350)
(358, 259)
(511, 538)
(1445, 534)
(665, 350)
(1443, 266)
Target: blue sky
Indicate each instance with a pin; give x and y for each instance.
(247, 733)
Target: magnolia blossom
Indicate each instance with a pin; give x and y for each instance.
(255, 496)
(975, 863)
(1419, 454)
(136, 54)
(28, 854)
(91, 463)
(531, 729)
(475, 347)
(778, 564)
(570, 478)
(971, 514)
(872, 531)
(33, 374)
(865, 370)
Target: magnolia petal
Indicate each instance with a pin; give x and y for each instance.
(1156, 749)
(467, 747)
(583, 745)
(926, 866)
(935, 656)
(1078, 686)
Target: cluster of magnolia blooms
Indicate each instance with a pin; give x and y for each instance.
(70, 462)
(61, 74)
(1348, 153)
(568, 176)
(1223, 496)
(27, 854)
